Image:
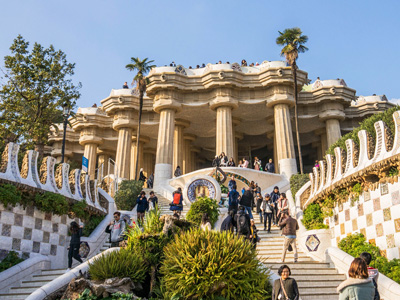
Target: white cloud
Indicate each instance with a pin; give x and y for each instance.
(395, 100)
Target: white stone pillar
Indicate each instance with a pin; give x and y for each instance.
(284, 140)
(124, 147)
(90, 153)
(333, 132)
(164, 156)
(103, 159)
(224, 133)
(179, 148)
(133, 158)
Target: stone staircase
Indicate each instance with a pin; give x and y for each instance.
(315, 280)
(39, 279)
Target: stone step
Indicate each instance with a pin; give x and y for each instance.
(43, 277)
(298, 265)
(38, 283)
(23, 290)
(311, 271)
(321, 289)
(319, 296)
(318, 283)
(53, 272)
(20, 296)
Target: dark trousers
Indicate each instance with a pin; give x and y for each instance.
(73, 252)
(274, 215)
(269, 217)
(233, 208)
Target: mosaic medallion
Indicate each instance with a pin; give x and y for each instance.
(201, 188)
(312, 243)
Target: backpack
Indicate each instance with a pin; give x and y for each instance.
(177, 199)
(242, 224)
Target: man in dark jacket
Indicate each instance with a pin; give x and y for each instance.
(270, 167)
(289, 226)
(228, 223)
(142, 205)
(242, 223)
(275, 195)
(234, 197)
(247, 201)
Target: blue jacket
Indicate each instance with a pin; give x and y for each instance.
(233, 198)
(142, 205)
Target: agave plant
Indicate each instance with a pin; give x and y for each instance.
(212, 265)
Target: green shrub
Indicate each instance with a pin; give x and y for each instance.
(368, 125)
(121, 264)
(10, 260)
(52, 202)
(393, 172)
(127, 193)
(199, 207)
(224, 189)
(356, 243)
(91, 224)
(87, 295)
(296, 183)
(212, 265)
(313, 217)
(79, 209)
(9, 195)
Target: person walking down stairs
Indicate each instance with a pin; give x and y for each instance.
(289, 226)
(73, 249)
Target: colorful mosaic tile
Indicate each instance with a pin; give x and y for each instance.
(36, 247)
(386, 214)
(38, 224)
(390, 241)
(384, 189)
(363, 231)
(377, 204)
(367, 196)
(383, 253)
(6, 230)
(340, 207)
(369, 220)
(336, 218)
(312, 243)
(27, 233)
(347, 215)
(18, 219)
(397, 225)
(379, 229)
(16, 244)
(337, 239)
(396, 197)
(354, 223)
(360, 208)
(372, 242)
(342, 231)
(30, 211)
(46, 237)
(47, 216)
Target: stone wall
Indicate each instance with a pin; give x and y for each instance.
(376, 215)
(30, 232)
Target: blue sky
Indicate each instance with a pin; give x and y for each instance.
(355, 40)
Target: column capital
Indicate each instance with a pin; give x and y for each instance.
(142, 139)
(189, 136)
(124, 119)
(224, 101)
(332, 114)
(149, 151)
(181, 122)
(275, 99)
(90, 139)
(162, 104)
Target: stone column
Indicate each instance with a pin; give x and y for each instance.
(286, 159)
(143, 140)
(333, 132)
(90, 141)
(187, 159)
(164, 157)
(90, 153)
(103, 159)
(148, 163)
(124, 124)
(179, 149)
(224, 133)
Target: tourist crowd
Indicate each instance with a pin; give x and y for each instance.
(223, 161)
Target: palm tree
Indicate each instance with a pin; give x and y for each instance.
(142, 66)
(293, 42)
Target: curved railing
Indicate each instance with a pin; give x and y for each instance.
(357, 162)
(71, 184)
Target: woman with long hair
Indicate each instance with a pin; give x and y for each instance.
(205, 222)
(358, 285)
(74, 244)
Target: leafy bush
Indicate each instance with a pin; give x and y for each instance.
(201, 206)
(79, 209)
(123, 263)
(91, 224)
(313, 217)
(368, 125)
(393, 172)
(356, 243)
(9, 195)
(52, 202)
(87, 295)
(224, 189)
(127, 193)
(10, 260)
(212, 265)
(296, 182)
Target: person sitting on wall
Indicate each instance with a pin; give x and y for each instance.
(125, 86)
(216, 161)
(177, 203)
(178, 171)
(270, 167)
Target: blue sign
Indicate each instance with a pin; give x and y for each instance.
(85, 164)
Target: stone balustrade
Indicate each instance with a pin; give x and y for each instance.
(357, 162)
(69, 183)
